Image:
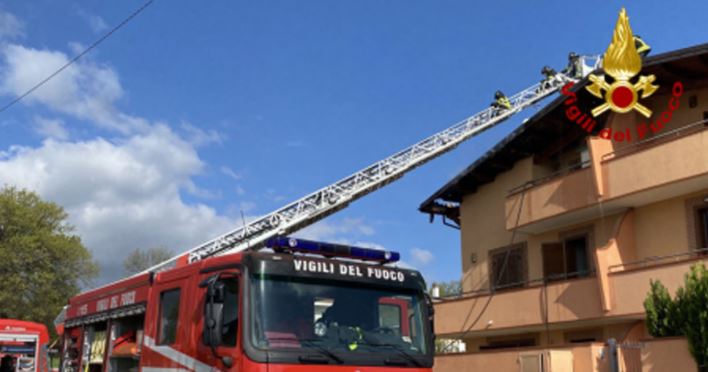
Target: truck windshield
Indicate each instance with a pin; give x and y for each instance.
(337, 318)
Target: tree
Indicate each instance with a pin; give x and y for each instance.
(42, 263)
(662, 316)
(142, 259)
(692, 304)
(448, 289)
(687, 315)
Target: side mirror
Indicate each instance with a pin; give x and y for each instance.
(431, 314)
(213, 312)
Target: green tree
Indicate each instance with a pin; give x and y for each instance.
(662, 316)
(692, 304)
(42, 263)
(687, 315)
(447, 289)
(141, 259)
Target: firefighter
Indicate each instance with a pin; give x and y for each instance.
(642, 48)
(574, 68)
(548, 75)
(500, 103)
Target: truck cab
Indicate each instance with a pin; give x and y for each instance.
(304, 306)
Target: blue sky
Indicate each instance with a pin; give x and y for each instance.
(196, 111)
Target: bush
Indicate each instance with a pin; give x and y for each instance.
(662, 312)
(687, 315)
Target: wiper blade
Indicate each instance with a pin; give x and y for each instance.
(322, 350)
(400, 351)
(312, 344)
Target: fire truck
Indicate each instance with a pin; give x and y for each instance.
(254, 300)
(23, 346)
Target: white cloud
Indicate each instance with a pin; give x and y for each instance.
(199, 137)
(85, 89)
(122, 194)
(51, 128)
(10, 26)
(97, 23)
(230, 172)
(421, 256)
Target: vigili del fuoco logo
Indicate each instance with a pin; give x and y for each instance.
(622, 94)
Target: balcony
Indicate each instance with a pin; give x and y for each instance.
(577, 358)
(490, 313)
(634, 175)
(528, 308)
(664, 354)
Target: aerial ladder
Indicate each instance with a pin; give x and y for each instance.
(330, 199)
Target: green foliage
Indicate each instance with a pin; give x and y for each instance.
(42, 263)
(661, 312)
(687, 315)
(447, 289)
(142, 259)
(692, 300)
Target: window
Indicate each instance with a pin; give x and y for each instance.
(390, 317)
(169, 315)
(230, 324)
(507, 342)
(508, 267)
(702, 228)
(567, 259)
(586, 335)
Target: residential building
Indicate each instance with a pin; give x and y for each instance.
(561, 231)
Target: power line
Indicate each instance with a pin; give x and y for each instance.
(77, 57)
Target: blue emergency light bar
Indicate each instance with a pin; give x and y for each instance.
(279, 243)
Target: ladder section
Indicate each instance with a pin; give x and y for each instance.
(332, 198)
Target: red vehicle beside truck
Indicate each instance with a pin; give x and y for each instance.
(23, 346)
(304, 306)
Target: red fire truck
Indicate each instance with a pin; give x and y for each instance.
(23, 346)
(224, 306)
(303, 306)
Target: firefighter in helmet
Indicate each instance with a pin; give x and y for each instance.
(548, 75)
(501, 102)
(642, 48)
(574, 68)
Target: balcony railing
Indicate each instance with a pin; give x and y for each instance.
(658, 139)
(561, 172)
(659, 260)
(520, 285)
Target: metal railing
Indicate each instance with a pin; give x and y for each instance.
(659, 260)
(549, 279)
(561, 172)
(660, 138)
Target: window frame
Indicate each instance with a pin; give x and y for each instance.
(522, 247)
(161, 319)
(563, 238)
(694, 206)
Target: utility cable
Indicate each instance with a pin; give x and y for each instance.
(497, 279)
(78, 56)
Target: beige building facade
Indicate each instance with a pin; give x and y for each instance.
(562, 231)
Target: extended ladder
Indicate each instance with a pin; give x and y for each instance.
(338, 195)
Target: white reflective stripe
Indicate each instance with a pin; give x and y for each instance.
(18, 337)
(176, 356)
